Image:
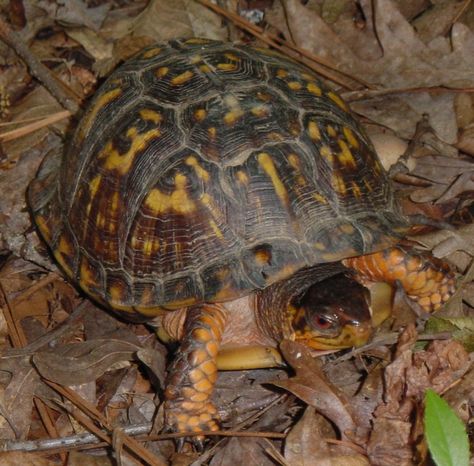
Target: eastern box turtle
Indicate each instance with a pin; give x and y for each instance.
(215, 180)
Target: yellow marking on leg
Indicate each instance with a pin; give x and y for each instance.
(268, 166)
(178, 201)
(151, 115)
(182, 78)
(200, 172)
(205, 68)
(113, 160)
(313, 130)
(281, 73)
(345, 156)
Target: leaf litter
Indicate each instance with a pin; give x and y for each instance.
(418, 61)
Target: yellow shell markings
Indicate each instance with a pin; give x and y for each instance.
(313, 131)
(314, 88)
(200, 114)
(337, 100)
(178, 201)
(150, 53)
(295, 85)
(338, 183)
(227, 66)
(64, 249)
(268, 166)
(97, 106)
(235, 110)
(88, 277)
(116, 297)
(261, 110)
(351, 139)
(113, 160)
(345, 156)
(242, 177)
(217, 231)
(356, 190)
(182, 78)
(327, 154)
(200, 171)
(162, 71)
(43, 226)
(151, 115)
(331, 131)
(320, 198)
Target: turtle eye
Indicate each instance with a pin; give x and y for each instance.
(321, 322)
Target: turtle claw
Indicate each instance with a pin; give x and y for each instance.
(189, 417)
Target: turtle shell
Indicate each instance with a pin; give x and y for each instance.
(203, 171)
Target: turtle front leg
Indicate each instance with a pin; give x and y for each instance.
(193, 373)
(425, 279)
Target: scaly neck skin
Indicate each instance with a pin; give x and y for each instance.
(274, 311)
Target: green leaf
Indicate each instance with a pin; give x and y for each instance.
(445, 433)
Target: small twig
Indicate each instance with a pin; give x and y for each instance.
(29, 128)
(390, 339)
(84, 409)
(351, 96)
(37, 69)
(320, 65)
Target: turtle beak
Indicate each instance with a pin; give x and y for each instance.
(351, 335)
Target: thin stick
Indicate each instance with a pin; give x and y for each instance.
(56, 87)
(318, 64)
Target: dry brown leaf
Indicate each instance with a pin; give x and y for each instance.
(406, 380)
(83, 362)
(311, 386)
(16, 400)
(164, 20)
(76, 13)
(242, 451)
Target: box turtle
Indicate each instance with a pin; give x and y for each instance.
(217, 180)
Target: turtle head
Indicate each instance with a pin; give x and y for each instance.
(332, 314)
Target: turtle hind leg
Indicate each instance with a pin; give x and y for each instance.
(426, 280)
(193, 373)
